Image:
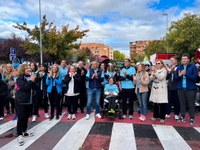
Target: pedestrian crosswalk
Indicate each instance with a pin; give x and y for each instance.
(124, 134)
(74, 138)
(169, 138)
(90, 134)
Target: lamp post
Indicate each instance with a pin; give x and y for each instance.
(166, 22)
(41, 55)
(165, 14)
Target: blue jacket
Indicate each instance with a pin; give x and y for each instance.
(127, 83)
(111, 88)
(191, 77)
(58, 82)
(94, 83)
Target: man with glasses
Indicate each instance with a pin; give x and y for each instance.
(186, 76)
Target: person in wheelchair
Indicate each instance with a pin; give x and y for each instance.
(111, 92)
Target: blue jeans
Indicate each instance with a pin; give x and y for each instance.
(142, 98)
(97, 93)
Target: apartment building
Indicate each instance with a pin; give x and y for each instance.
(138, 47)
(98, 49)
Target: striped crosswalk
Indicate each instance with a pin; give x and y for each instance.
(89, 134)
(7, 126)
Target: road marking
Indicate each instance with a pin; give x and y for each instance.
(8, 126)
(38, 130)
(197, 128)
(122, 137)
(76, 136)
(170, 138)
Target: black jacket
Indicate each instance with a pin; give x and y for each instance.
(82, 77)
(4, 92)
(23, 90)
(77, 82)
(38, 80)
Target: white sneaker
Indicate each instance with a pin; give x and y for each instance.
(123, 116)
(98, 116)
(46, 115)
(176, 117)
(130, 116)
(73, 116)
(1, 118)
(69, 116)
(167, 116)
(34, 118)
(87, 117)
(21, 140)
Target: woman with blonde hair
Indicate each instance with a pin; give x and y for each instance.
(24, 86)
(141, 79)
(8, 77)
(73, 86)
(159, 94)
(54, 90)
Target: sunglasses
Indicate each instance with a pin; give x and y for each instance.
(158, 63)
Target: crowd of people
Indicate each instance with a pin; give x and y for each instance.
(27, 89)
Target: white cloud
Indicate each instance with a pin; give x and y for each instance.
(112, 22)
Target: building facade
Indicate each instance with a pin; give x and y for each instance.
(98, 49)
(138, 47)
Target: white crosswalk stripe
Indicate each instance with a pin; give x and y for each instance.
(7, 126)
(122, 137)
(75, 137)
(38, 130)
(170, 138)
(197, 128)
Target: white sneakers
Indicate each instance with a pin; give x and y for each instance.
(46, 115)
(20, 140)
(87, 117)
(69, 116)
(167, 116)
(1, 118)
(73, 116)
(34, 118)
(176, 117)
(98, 116)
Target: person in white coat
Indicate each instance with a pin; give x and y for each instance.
(159, 95)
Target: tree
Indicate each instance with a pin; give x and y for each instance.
(157, 46)
(118, 56)
(12, 42)
(56, 43)
(137, 58)
(184, 35)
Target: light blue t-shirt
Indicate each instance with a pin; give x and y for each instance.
(184, 85)
(127, 84)
(63, 73)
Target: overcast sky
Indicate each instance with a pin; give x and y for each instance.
(111, 22)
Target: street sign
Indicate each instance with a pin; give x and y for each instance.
(13, 51)
(12, 57)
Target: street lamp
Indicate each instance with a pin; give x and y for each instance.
(41, 56)
(165, 14)
(166, 22)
